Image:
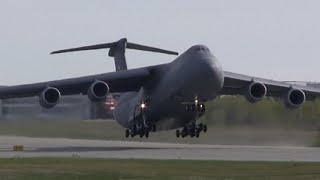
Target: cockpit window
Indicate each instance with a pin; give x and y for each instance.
(199, 47)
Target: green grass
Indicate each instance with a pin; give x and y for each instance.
(61, 168)
(110, 130)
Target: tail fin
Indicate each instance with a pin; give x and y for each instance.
(117, 50)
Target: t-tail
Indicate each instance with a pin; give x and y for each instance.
(117, 51)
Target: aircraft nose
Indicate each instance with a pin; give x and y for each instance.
(204, 71)
(199, 48)
(210, 77)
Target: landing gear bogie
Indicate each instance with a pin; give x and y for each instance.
(141, 131)
(192, 130)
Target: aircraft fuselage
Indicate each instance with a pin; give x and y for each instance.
(196, 74)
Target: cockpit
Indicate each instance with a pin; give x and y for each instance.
(199, 47)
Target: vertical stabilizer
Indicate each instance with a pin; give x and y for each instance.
(118, 53)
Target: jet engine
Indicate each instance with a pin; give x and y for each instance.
(49, 97)
(255, 92)
(294, 98)
(98, 91)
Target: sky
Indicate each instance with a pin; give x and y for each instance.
(275, 39)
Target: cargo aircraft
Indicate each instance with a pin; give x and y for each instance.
(162, 97)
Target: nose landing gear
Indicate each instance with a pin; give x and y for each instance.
(198, 108)
(193, 129)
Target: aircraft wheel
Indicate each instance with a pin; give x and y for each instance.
(205, 128)
(127, 133)
(197, 133)
(141, 133)
(177, 133)
(192, 134)
(203, 109)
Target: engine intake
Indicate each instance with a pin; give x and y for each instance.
(256, 92)
(49, 97)
(295, 98)
(98, 91)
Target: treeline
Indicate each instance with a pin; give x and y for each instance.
(237, 111)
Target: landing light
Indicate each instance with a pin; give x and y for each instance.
(143, 105)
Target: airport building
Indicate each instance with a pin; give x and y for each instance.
(75, 107)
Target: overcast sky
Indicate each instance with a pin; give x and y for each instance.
(277, 39)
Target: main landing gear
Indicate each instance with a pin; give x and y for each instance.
(193, 129)
(140, 130)
(140, 126)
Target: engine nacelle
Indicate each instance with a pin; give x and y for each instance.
(256, 91)
(98, 91)
(49, 97)
(294, 98)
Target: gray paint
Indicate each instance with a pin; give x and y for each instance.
(196, 73)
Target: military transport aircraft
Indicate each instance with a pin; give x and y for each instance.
(165, 96)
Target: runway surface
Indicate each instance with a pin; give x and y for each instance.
(48, 147)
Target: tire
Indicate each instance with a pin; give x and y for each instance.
(127, 133)
(177, 133)
(197, 133)
(201, 108)
(205, 128)
(141, 134)
(200, 126)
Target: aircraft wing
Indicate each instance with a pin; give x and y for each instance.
(120, 81)
(236, 84)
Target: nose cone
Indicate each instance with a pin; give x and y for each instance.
(203, 71)
(211, 73)
(198, 48)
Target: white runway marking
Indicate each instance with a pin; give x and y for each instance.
(59, 147)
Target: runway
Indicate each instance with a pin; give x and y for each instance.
(59, 147)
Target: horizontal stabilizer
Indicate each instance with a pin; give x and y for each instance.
(121, 42)
(84, 48)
